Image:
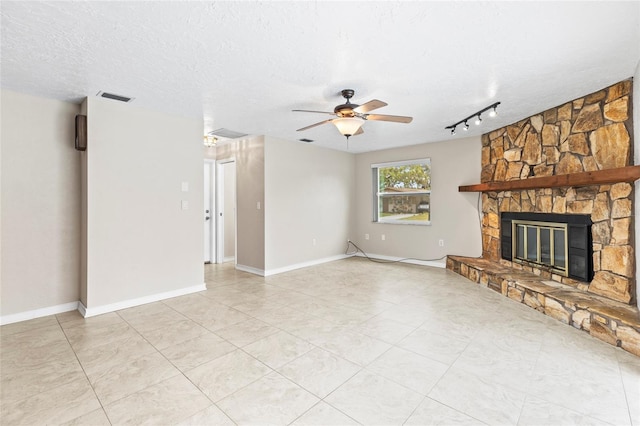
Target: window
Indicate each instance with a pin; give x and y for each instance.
(402, 192)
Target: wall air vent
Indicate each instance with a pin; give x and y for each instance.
(114, 97)
(306, 140)
(227, 134)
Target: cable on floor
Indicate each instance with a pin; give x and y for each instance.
(359, 250)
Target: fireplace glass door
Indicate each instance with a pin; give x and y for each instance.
(541, 242)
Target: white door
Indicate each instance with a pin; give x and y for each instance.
(209, 248)
(225, 211)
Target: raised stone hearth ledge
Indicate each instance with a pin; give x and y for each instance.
(613, 322)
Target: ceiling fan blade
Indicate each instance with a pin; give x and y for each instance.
(316, 124)
(394, 118)
(308, 110)
(370, 106)
(359, 132)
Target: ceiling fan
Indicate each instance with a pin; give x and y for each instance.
(351, 117)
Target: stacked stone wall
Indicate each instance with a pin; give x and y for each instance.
(587, 134)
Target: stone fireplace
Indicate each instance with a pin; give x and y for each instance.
(569, 169)
(588, 134)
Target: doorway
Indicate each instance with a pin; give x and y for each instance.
(225, 211)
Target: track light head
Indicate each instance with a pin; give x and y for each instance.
(466, 126)
(493, 112)
(453, 130)
(478, 120)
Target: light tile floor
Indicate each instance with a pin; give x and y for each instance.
(348, 342)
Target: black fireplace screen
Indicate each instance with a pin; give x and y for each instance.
(559, 242)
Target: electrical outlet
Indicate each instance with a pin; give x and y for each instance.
(441, 243)
(366, 236)
(383, 237)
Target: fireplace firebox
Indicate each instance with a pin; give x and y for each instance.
(560, 243)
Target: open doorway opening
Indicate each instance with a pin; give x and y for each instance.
(226, 211)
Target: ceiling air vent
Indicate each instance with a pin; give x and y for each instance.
(306, 140)
(226, 133)
(114, 97)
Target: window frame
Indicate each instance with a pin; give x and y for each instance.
(377, 194)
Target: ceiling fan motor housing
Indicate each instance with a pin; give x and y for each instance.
(345, 110)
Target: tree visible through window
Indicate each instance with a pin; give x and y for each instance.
(402, 192)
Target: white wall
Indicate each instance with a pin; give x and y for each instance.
(309, 193)
(454, 215)
(140, 243)
(249, 156)
(40, 205)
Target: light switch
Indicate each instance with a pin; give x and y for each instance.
(258, 205)
(185, 186)
(185, 205)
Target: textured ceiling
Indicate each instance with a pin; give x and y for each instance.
(245, 65)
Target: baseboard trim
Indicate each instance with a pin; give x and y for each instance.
(38, 313)
(435, 264)
(82, 309)
(228, 259)
(250, 269)
(99, 310)
(295, 266)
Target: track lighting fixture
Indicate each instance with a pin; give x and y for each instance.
(465, 121)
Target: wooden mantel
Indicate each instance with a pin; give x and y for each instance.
(598, 177)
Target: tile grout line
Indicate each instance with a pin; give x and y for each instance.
(85, 374)
(175, 366)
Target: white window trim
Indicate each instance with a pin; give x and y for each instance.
(401, 163)
(376, 193)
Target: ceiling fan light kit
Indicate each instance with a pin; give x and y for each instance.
(348, 126)
(351, 117)
(465, 121)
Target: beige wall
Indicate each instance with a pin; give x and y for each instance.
(454, 215)
(229, 210)
(83, 218)
(249, 156)
(209, 153)
(140, 242)
(310, 195)
(40, 204)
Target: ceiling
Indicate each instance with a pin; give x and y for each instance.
(245, 65)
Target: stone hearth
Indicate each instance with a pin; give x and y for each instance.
(613, 322)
